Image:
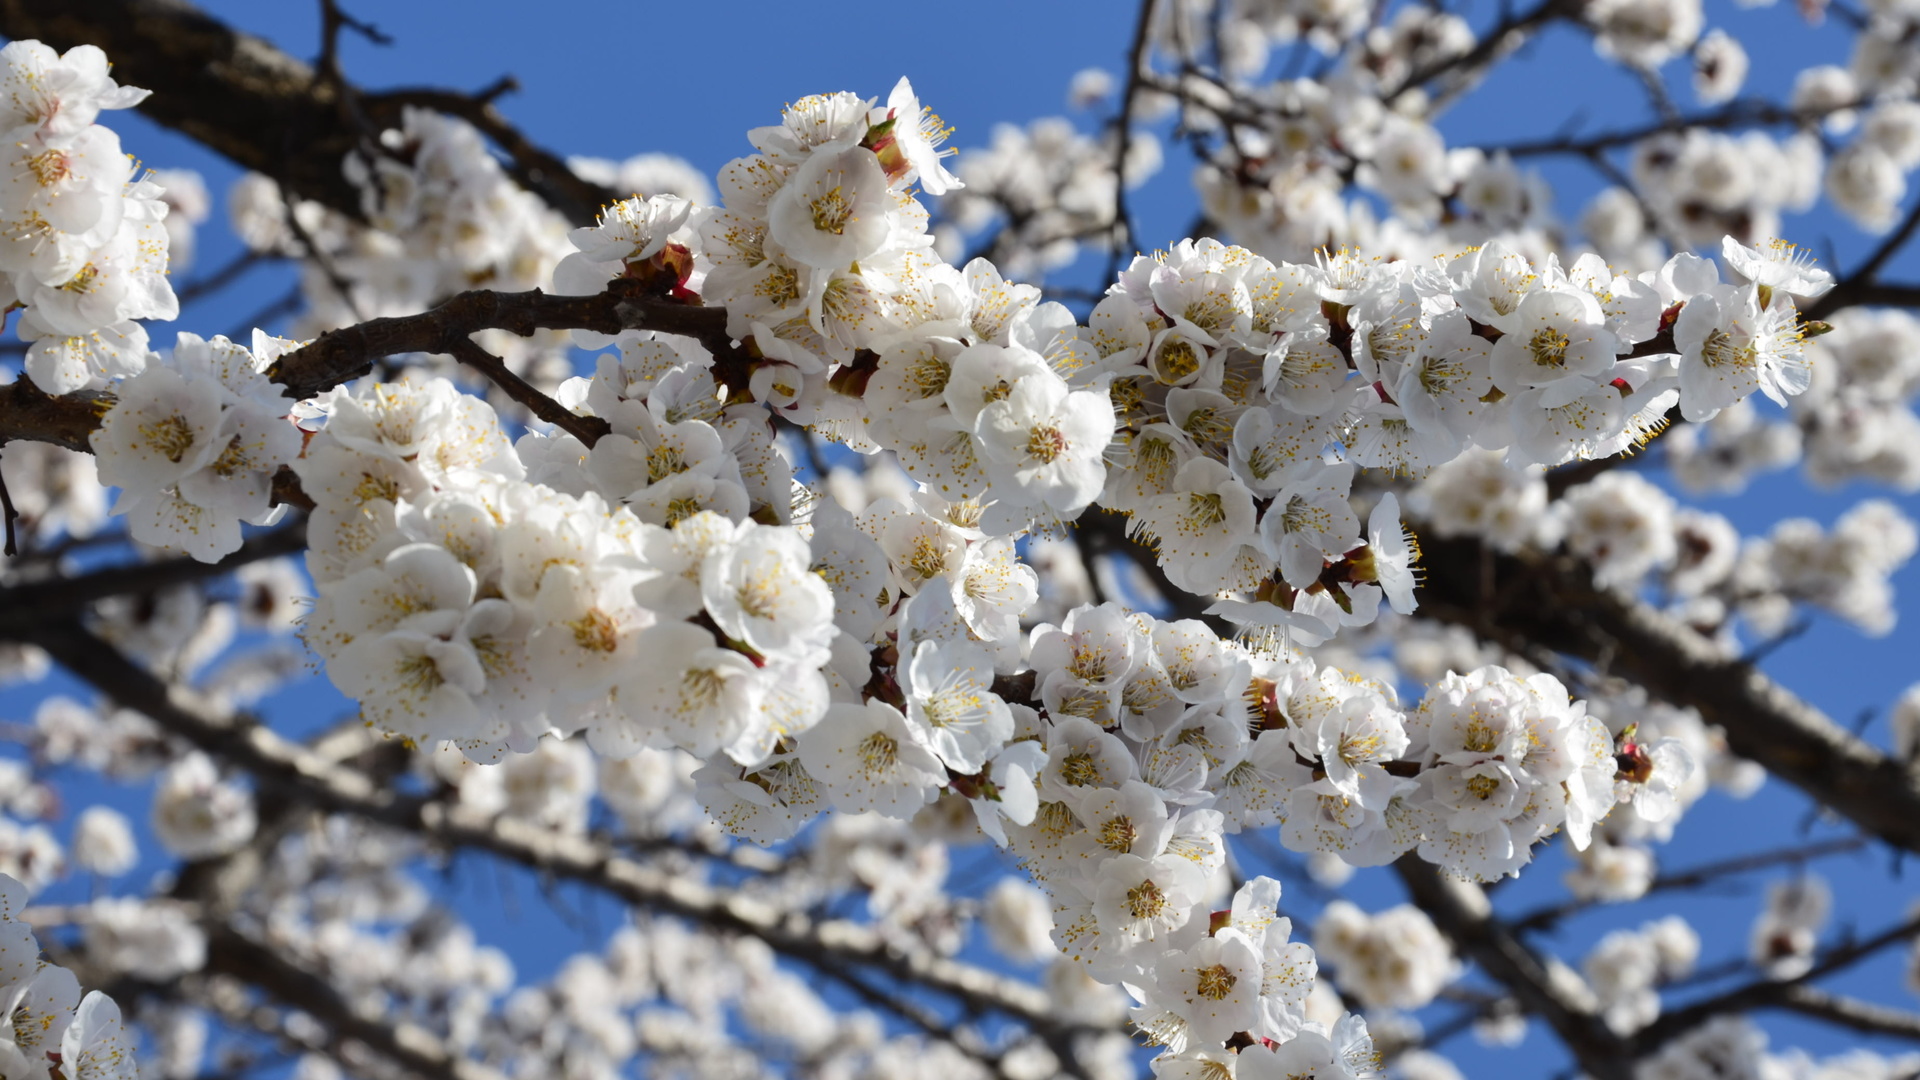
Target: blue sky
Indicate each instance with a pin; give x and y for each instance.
(612, 79)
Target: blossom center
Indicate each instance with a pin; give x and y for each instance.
(419, 674)
(927, 559)
(679, 510)
(1719, 351)
(700, 688)
(172, 436)
(1118, 834)
(833, 211)
(1549, 347)
(759, 596)
(1145, 900)
(928, 375)
(878, 752)
(595, 632)
(1205, 510)
(1177, 360)
(82, 282)
(1046, 444)
(1215, 982)
(1079, 769)
(50, 167)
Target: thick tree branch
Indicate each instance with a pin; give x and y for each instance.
(263, 109)
(30, 415)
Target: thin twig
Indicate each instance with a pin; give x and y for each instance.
(587, 429)
(1697, 876)
(232, 271)
(1848, 289)
(1764, 992)
(1123, 234)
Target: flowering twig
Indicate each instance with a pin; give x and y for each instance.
(534, 167)
(1491, 46)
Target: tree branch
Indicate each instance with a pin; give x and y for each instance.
(1136, 65)
(408, 1045)
(24, 607)
(263, 109)
(1495, 43)
(339, 356)
(587, 429)
(1864, 1016)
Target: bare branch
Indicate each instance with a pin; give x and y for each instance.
(1852, 289)
(1738, 114)
(587, 429)
(234, 269)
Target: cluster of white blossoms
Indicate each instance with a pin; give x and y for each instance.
(46, 1028)
(193, 442)
(1392, 959)
(1626, 968)
(670, 587)
(83, 247)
